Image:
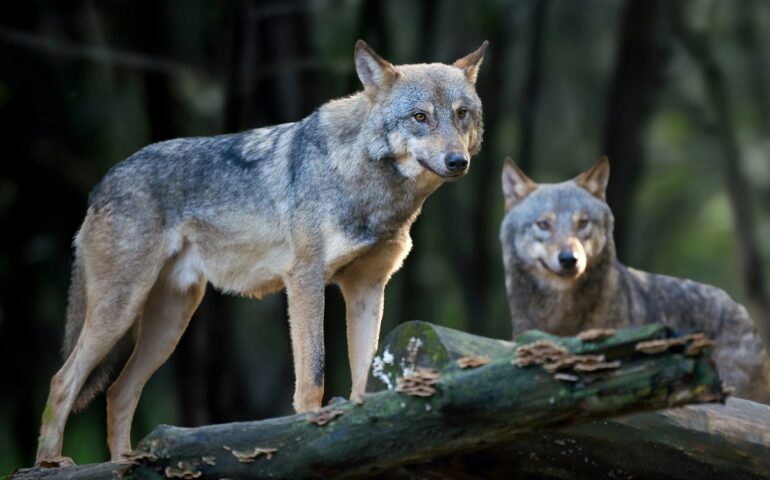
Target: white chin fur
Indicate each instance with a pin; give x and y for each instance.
(410, 167)
(554, 281)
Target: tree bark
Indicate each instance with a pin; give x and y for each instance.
(462, 410)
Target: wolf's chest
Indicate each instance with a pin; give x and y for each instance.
(341, 248)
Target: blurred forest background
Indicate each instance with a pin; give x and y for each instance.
(675, 92)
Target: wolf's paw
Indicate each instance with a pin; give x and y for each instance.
(55, 462)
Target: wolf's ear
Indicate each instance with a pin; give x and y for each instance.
(470, 63)
(374, 71)
(595, 179)
(516, 185)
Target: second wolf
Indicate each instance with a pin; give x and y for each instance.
(562, 276)
(329, 199)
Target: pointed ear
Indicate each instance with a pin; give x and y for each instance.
(470, 63)
(516, 185)
(374, 71)
(595, 179)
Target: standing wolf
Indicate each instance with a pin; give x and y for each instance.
(329, 199)
(562, 276)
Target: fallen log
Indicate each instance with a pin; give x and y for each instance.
(699, 441)
(490, 397)
(729, 441)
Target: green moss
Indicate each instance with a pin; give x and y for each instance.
(48, 416)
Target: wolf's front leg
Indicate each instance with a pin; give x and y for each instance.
(305, 292)
(363, 286)
(363, 303)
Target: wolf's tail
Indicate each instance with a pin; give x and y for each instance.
(106, 370)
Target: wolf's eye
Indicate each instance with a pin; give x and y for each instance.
(582, 223)
(420, 117)
(543, 224)
(461, 113)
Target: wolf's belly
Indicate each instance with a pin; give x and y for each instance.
(246, 258)
(248, 270)
(252, 268)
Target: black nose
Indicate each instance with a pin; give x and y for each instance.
(456, 162)
(567, 260)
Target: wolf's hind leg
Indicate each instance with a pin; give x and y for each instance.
(165, 317)
(113, 304)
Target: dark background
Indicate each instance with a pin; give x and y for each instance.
(675, 92)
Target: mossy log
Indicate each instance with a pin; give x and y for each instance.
(704, 442)
(699, 441)
(482, 395)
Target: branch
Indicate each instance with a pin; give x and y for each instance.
(61, 48)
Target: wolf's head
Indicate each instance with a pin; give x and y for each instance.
(424, 117)
(556, 231)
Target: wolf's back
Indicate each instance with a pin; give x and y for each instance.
(690, 306)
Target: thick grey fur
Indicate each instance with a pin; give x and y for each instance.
(291, 176)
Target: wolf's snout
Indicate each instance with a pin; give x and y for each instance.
(456, 162)
(567, 260)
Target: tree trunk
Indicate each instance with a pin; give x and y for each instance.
(631, 97)
(430, 413)
(531, 96)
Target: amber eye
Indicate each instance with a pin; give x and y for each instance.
(420, 117)
(461, 113)
(582, 223)
(543, 224)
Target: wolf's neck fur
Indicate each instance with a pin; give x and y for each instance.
(358, 134)
(361, 152)
(535, 303)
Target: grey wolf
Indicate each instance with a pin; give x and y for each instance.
(562, 276)
(328, 199)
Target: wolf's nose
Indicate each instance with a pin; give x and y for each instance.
(567, 260)
(456, 162)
